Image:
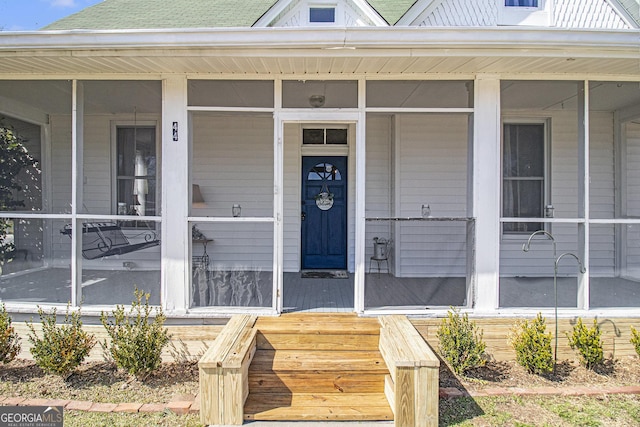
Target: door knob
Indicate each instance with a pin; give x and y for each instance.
(303, 216)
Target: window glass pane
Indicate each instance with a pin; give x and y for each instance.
(337, 136)
(324, 172)
(313, 136)
(324, 136)
(523, 150)
(521, 3)
(523, 171)
(136, 171)
(322, 14)
(523, 199)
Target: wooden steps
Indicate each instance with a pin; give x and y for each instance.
(317, 367)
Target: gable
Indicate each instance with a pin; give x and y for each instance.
(297, 13)
(596, 14)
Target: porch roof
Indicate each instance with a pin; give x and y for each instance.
(323, 52)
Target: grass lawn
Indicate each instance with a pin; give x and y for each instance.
(552, 411)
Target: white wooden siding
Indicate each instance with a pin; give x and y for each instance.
(567, 14)
(631, 234)
(60, 176)
(292, 193)
(587, 14)
(460, 13)
(602, 249)
(233, 164)
(432, 169)
(378, 182)
(97, 166)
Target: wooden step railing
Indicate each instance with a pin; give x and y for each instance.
(412, 388)
(224, 379)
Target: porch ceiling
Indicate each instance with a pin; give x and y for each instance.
(224, 63)
(340, 52)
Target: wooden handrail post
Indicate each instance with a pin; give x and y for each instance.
(412, 388)
(223, 370)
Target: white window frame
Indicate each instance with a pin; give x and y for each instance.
(324, 5)
(540, 16)
(546, 122)
(115, 125)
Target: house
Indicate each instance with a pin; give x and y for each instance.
(237, 157)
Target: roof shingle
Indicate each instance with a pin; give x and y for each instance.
(156, 14)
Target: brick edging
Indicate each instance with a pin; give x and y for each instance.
(182, 407)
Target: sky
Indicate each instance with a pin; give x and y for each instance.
(30, 15)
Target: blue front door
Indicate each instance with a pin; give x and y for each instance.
(324, 212)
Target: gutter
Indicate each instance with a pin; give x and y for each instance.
(352, 41)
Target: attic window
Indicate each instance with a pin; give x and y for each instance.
(322, 15)
(521, 3)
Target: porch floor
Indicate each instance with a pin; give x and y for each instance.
(382, 291)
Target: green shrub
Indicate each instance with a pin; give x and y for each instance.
(635, 339)
(136, 341)
(461, 342)
(9, 339)
(62, 348)
(533, 345)
(588, 343)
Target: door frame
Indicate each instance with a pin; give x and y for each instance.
(356, 120)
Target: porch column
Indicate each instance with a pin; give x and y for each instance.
(175, 197)
(77, 190)
(486, 191)
(583, 193)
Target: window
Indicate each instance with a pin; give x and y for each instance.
(521, 3)
(324, 172)
(525, 12)
(322, 14)
(324, 136)
(136, 170)
(523, 175)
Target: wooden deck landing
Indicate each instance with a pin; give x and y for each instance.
(317, 367)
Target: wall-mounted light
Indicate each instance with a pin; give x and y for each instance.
(548, 211)
(197, 201)
(316, 101)
(236, 210)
